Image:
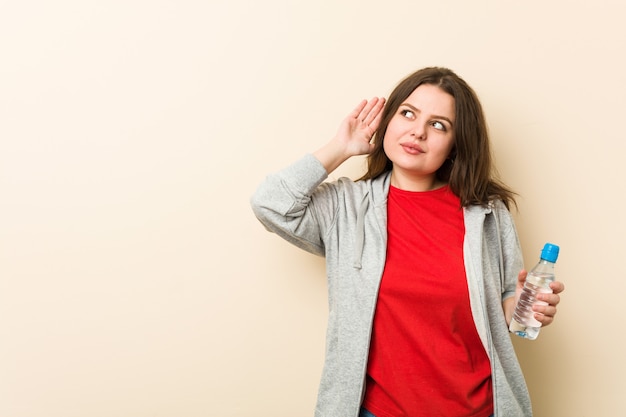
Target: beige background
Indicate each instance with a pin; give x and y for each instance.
(134, 279)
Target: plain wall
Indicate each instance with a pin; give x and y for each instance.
(134, 278)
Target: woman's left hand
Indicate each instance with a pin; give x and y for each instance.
(543, 313)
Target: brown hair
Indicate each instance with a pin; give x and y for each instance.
(469, 169)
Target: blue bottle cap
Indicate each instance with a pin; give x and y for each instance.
(550, 252)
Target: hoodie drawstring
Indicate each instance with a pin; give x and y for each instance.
(359, 238)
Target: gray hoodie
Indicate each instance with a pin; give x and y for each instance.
(346, 222)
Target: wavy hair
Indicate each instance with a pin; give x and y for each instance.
(469, 169)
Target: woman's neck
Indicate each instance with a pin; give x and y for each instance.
(415, 183)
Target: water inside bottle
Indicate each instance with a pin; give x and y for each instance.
(524, 323)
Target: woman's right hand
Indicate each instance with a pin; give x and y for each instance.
(357, 129)
(354, 136)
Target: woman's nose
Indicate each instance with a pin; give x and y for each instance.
(419, 131)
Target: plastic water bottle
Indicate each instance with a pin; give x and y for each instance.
(538, 280)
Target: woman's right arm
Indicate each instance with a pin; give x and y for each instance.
(283, 203)
(295, 203)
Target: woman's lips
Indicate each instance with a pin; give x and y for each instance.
(412, 148)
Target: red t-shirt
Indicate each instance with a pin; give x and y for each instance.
(426, 358)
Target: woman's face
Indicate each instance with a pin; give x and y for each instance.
(420, 137)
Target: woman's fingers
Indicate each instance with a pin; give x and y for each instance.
(367, 111)
(557, 287)
(356, 112)
(545, 313)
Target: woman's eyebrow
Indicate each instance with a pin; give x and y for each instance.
(415, 109)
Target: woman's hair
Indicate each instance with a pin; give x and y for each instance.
(469, 169)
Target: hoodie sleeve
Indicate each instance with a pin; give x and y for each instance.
(512, 260)
(296, 204)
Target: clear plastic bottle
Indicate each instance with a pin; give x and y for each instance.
(538, 280)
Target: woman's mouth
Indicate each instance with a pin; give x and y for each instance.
(412, 148)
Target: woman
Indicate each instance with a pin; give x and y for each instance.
(423, 261)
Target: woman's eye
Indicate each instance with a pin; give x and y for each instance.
(407, 113)
(438, 125)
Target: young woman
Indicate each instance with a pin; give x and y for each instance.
(423, 260)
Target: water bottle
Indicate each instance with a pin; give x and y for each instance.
(538, 280)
